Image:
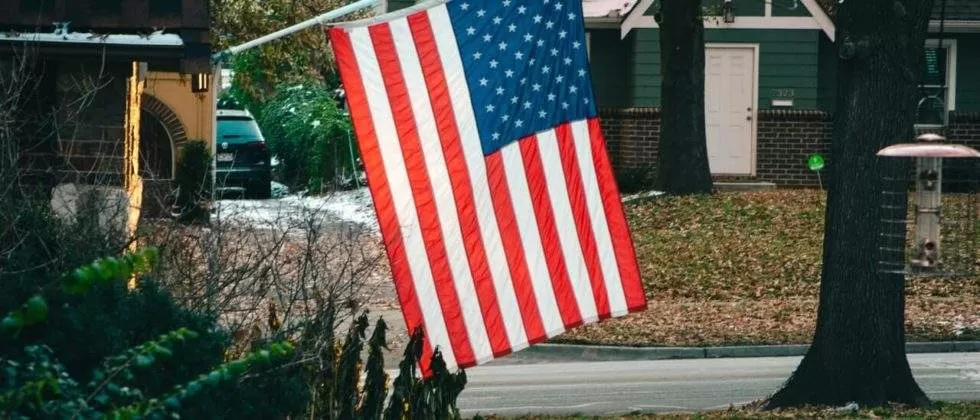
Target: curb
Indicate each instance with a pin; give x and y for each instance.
(544, 353)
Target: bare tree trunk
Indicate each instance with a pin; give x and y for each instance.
(858, 351)
(683, 153)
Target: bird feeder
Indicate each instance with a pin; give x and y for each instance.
(929, 152)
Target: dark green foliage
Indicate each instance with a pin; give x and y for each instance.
(636, 179)
(349, 369)
(193, 181)
(375, 386)
(35, 383)
(335, 378)
(311, 136)
(431, 398)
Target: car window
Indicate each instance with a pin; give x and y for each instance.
(238, 130)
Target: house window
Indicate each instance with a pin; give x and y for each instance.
(937, 89)
(166, 7)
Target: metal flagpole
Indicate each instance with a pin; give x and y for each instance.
(324, 18)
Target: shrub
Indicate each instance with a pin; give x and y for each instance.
(334, 376)
(311, 137)
(636, 179)
(193, 181)
(37, 384)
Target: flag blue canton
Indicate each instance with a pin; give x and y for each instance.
(525, 63)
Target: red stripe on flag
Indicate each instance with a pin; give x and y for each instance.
(452, 149)
(545, 216)
(583, 220)
(425, 202)
(511, 237)
(619, 230)
(378, 183)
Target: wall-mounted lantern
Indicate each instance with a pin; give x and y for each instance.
(200, 82)
(729, 11)
(929, 152)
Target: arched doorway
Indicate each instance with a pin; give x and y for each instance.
(156, 149)
(161, 134)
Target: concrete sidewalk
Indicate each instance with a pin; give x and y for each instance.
(545, 353)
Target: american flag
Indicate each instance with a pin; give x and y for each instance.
(495, 197)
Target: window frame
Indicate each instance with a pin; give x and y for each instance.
(950, 100)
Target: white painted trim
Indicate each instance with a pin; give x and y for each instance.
(967, 26)
(755, 97)
(588, 45)
(768, 9)
(951, 60)
(637, 18)
(821, 17)
(760, 22)
(153, 40)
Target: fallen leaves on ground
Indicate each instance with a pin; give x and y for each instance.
(744, 268)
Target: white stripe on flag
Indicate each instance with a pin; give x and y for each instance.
(590, 184)
(452, 68)
(401, 192)
(435, 165)
(520, 197)
(554, 177)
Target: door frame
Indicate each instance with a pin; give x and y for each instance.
(754, 129)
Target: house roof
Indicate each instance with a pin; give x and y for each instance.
(957, 9)
(960, 10)
(607, 8)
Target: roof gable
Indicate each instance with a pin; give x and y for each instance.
(959, 10)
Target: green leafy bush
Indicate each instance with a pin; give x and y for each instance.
(193, 181)
(37, 384)
(311, 137)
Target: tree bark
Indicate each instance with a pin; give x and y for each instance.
(683, 153)
(858, 350)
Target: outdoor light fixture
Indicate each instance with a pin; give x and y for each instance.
(200, 82)
(729, 12)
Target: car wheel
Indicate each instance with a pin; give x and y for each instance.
(261, 190)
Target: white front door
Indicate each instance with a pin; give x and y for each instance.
(729, 91)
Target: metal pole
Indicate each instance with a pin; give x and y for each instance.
(324, 18)
(353, 163)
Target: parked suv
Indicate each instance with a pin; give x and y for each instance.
(241, 155)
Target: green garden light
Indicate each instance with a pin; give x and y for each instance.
(816, 163)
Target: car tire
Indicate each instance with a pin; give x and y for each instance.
(261, 190)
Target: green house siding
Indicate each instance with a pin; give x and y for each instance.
(609, 57)
(741, 8)
(827, 76)
(968, 73)
(789, 8)
(645, 68)
(788, 64)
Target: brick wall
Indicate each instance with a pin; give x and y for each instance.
(631, 135)
(785, 139)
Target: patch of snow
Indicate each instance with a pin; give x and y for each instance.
(645, 194)
(279, 190)
(156, 39)
(604, 8)
(353, 206)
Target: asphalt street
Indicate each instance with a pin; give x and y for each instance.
(604, 388)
